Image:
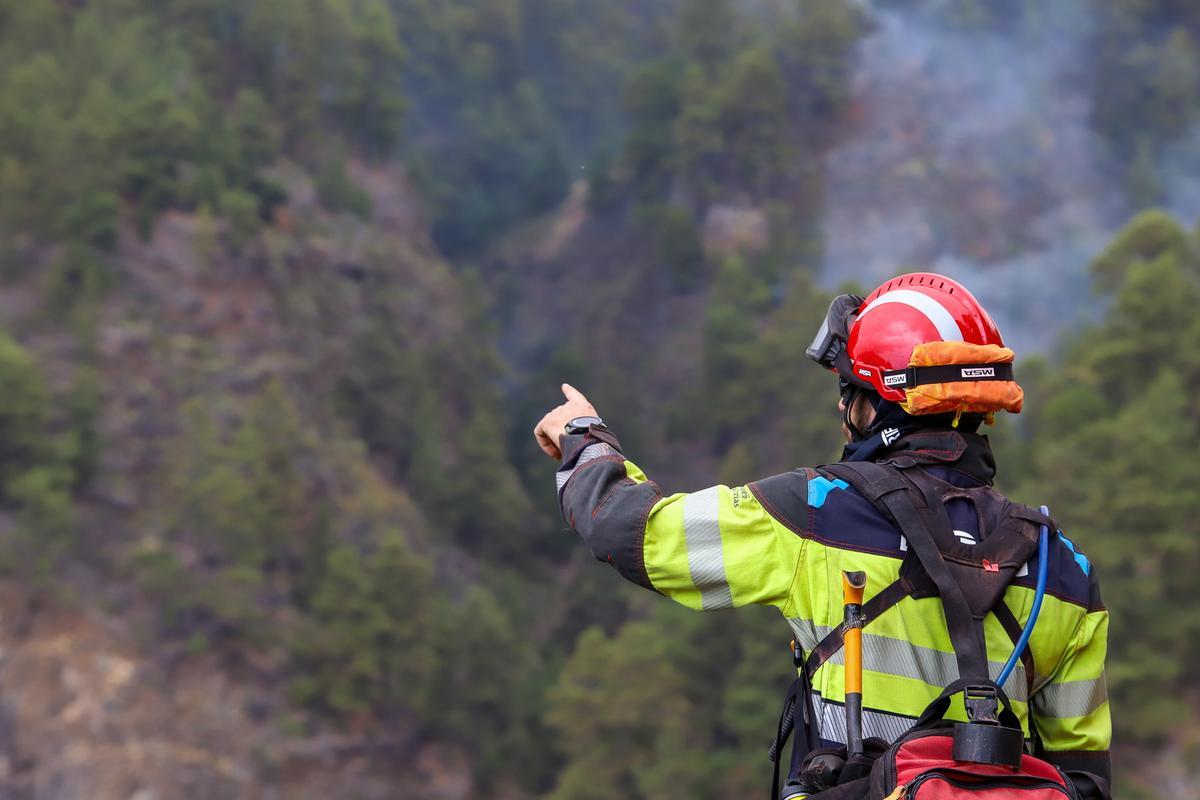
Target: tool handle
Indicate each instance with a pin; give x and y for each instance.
(853, 639)
(853, 584)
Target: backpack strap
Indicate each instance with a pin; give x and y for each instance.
(891, 594)
(1012, 626)
(903, 587)
(797, 707)
(918, 513)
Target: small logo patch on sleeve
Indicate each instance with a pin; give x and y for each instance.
(820, 487)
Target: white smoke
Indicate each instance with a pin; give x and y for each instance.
(972, 154)
(1179, 171)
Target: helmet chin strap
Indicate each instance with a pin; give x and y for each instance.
(850, 396)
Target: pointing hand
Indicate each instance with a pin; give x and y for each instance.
(554, 424)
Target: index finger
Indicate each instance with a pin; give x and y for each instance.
(571, 393)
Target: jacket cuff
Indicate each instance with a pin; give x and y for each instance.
(572, 446)
(578, 449)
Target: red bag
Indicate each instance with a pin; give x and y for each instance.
(921, 767)
(987, 763)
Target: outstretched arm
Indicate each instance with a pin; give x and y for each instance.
(717, 548)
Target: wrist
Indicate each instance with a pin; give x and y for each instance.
(572, 444)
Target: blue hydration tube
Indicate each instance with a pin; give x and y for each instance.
(1043, 563)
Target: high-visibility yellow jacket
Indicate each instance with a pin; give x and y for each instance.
(785, 541)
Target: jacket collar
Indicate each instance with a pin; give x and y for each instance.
(968, 453)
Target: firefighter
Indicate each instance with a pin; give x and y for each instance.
(921, 366)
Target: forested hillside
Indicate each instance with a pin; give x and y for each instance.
(285, 285)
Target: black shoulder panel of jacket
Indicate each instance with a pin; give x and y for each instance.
(606, 507)
(785, 497)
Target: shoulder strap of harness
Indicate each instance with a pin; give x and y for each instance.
(892, 594)
(918, 513)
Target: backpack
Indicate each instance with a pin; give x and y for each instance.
(936, 759)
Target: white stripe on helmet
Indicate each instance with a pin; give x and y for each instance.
(934, 311)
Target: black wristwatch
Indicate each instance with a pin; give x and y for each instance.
(582, 424)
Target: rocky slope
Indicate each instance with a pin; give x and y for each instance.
(97, 700)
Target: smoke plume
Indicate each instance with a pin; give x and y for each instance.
(973, 155)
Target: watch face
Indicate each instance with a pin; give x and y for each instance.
(582, 423)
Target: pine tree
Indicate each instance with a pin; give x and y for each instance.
(369, 646)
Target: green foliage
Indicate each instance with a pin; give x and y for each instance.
(1142, 182)
(24, 416)
(242, 510)
(625, 738)
(96, 127)
(707, 31)
(317, 62)
(337, 192)
(243, 491)
(35, 472)
(1147, 236)
(510, 97)
(504, 169)
(693, 722)
(78, 277)
(815, 50)
(1113, 460)
(969, 15)
(740, 109)
(800, 399)
(369, 644)
(181, 104)
(731, 353)
(240, 209)
(652, 101)
(487, 502)
(733, 129)
(755, 119)
(490, 684)
(431, 421)
(443, 599)
(1138, 536)
(680, 249)
(85, 443)
(1146, 79)
(757, 396)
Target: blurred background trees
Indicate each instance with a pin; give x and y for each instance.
(286, 285)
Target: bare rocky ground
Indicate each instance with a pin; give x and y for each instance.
(88, 713)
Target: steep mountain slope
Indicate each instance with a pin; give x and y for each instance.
(161, 663)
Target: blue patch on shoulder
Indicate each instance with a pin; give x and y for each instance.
(820, 487)
(1080, 558)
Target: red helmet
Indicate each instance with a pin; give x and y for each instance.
(908, 311)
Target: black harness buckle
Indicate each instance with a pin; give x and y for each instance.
(984, 740)
(983, 706)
